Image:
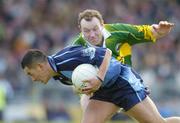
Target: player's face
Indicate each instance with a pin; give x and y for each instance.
(38, 73)
(92, 31)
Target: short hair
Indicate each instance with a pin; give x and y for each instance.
(88, 14)
(32, 57)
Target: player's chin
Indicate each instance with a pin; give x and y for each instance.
(44, 81)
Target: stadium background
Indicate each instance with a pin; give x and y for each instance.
(50, 24)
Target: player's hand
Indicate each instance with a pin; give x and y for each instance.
(92, 85)
(163, 28)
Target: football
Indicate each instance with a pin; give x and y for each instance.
(83, 72)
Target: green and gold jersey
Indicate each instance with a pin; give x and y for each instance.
(122, 37)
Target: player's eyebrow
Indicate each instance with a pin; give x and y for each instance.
(93, 27)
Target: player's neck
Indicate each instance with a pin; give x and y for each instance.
(102, 41)
(51, 71)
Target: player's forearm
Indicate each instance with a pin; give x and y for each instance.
(105, 64)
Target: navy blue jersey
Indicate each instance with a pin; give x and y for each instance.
(68, 59)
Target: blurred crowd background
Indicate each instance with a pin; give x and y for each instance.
(50, 25)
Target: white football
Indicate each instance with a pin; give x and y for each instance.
(83, 72)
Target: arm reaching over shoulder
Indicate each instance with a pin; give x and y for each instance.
(95, 83)
(161, 29)
(105, 64)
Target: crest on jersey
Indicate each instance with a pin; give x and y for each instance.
(89, 52)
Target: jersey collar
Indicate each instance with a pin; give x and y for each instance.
(52, 63)
(106, 34)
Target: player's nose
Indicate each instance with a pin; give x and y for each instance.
(92, 33)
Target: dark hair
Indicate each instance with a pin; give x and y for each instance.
(32, 57)
(88, 14)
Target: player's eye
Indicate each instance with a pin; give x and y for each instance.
(95, 29)
(86, 31)
(29, 74)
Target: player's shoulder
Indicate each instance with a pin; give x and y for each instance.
(116, 24)
(69, 49)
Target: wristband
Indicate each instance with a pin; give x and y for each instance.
(99, 78)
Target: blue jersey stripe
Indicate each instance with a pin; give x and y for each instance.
(62, 54)
(66, 61)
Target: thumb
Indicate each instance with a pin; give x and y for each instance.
(85, 81)
(155, 26)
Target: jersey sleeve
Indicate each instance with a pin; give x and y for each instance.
(69, 58)
(137, 33)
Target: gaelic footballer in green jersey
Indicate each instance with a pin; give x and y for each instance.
(119, 38)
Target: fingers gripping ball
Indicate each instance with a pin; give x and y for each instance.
(81, 73)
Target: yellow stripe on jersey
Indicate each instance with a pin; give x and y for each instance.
(124, 50)
(147, 30)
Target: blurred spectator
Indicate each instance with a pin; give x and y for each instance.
(6, 93)
(56, 111)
